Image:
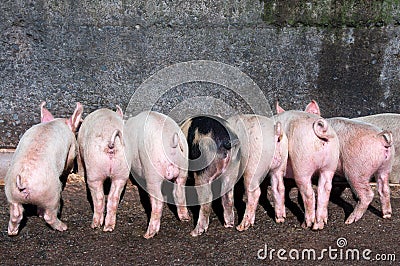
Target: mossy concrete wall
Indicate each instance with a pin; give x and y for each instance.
(332, 13)
(344, 54)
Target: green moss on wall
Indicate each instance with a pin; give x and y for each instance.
(334, 13)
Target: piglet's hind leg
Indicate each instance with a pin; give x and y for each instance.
(112, 204)
(204, 193)
(384, 194)
(228, 201)
(324, 191)
(180, 199)
(156, 200)
(50, 216)
(365, 195)
(97, 193)
(16, 214)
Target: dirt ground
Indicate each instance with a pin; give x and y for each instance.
(264, 243)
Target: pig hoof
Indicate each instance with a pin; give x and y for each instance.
(229, 222)
(280, 220)
(318, 226)
(387, 216)
(198, 232)
(40, 212)
(243, 226)
(229, 225)
(184, 217)
(13, 229)
(348, 221)
(305, 225)
(352, 218)
(95, 225)
(248, 220)
(108, 228)
(13, 232)
(61, 227)
(149, 234)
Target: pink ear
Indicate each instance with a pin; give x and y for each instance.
(278, 108)
(119, 111)
(313, 108)
(74, 121)
(45, 115)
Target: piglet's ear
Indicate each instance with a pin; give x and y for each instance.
(278, 108)
(45, 115)
(313, 108)
(74, 121)
(119, 111)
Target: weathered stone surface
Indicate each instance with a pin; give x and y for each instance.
(332, 13)
(100, 52)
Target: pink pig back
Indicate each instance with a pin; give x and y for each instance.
(156, 143)
(43, 153)
(101, 147)
(313, 147)
(363, 136)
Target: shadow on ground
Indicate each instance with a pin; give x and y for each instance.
(38, 244)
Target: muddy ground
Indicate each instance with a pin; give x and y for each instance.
(38, 244)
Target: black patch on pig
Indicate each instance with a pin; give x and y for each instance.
(214, 127)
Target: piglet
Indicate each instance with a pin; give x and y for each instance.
(102, 155)
(214, 156)
(45, 152)
(157, 151)
(264, 150)
(390, 122)
(313, 149)
(365, 151)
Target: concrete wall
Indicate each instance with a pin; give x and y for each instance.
(344, 54)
